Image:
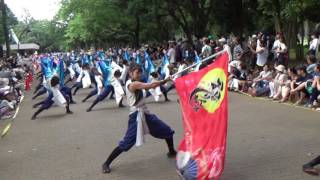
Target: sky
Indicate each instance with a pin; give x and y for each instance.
(38, 9)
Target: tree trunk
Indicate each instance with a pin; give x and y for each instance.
(306, 28)
(237, 18)
(136, 38)
(5, 28)
(301, 43)
(277, 16)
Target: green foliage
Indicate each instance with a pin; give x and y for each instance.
(11, 21)
(104, 23)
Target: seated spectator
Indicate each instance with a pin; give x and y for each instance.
(4, 85)
(313, 88)
(238, 77)
(278, 85)
(317, 84)
(5, 108)
(292, 76)
(260, 84)
(299, 89)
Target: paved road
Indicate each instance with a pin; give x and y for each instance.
(266, 140)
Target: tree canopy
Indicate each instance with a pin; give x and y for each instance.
(105, 23)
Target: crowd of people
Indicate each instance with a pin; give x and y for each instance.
(264, 70)
(15, 78)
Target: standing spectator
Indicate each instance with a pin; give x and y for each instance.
(226, 47)
(281, 52)
(28, 79)
(171, 53)
(314, 44)
(206, 49)
(237, 50)
(178, 51)
(262, 54)
(252, 44)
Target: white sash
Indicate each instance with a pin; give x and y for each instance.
(142, 127)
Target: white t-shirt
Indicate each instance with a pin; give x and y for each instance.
(171, 54)
(262, 57)
(265, 74)
(206, 51)
(282, 46)
(314, 45)
(131, 100)
(276, 45)
(235, 63)
(258, 43)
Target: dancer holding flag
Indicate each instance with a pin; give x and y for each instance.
(141, 121)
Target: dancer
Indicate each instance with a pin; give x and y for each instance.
(310, 167)
(140, 118)
(55, 96)
(98, 81)
(107, 87)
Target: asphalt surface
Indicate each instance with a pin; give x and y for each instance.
(266, 141)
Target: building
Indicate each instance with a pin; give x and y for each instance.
(28, 48)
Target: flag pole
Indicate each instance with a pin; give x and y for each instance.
(204, 60)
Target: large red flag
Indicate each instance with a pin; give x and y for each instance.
(204, 103)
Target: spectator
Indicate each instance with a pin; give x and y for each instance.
(292, 76)
(226, 47)
(260, 84)
(313, 87)
(279, 83)
(238, 77)
(171, 53)
(299, 89)
(281, 52)
(206, 49)
(252, 44)
(276, 44)
(314, 44)
(237, 50)
(312, 63)
(262, 54)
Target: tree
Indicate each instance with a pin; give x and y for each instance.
(5, 13)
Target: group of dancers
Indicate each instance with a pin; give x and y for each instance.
(115, 77)
(106, 74)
